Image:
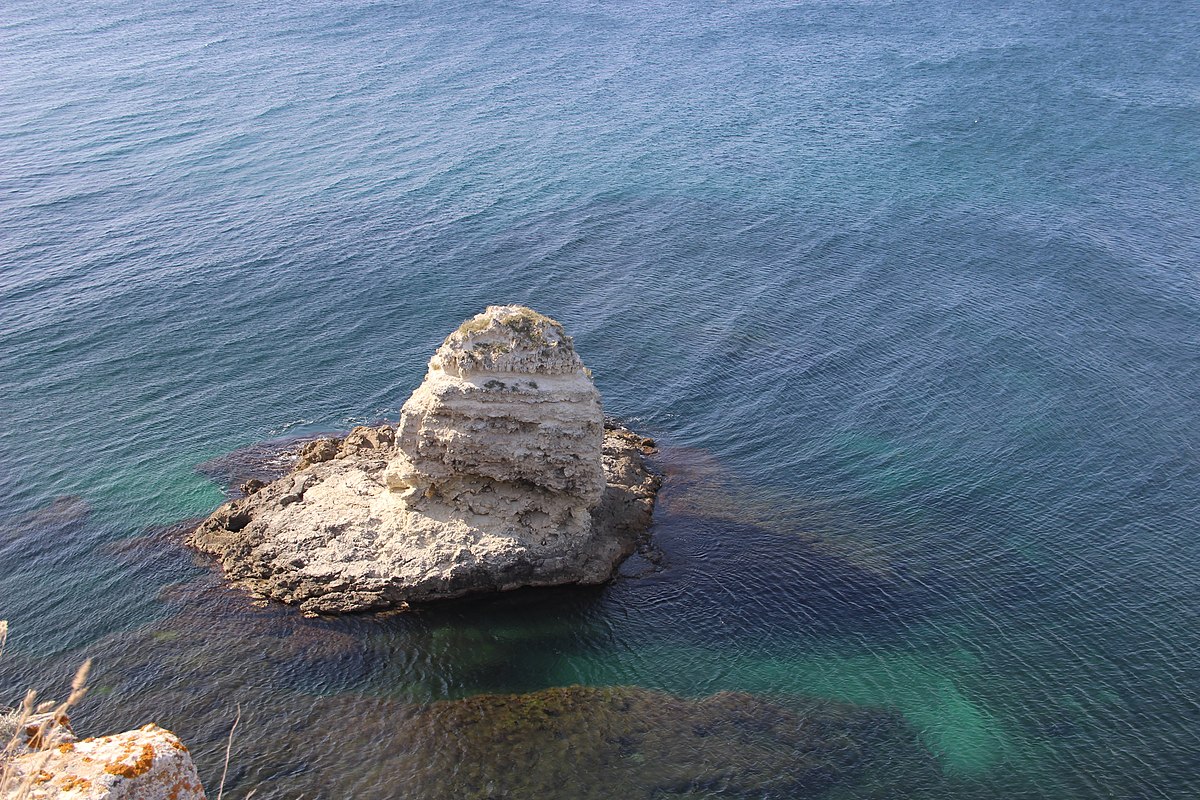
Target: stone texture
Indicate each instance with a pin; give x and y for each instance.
(48, 761)
(506, 401)
(500, 475)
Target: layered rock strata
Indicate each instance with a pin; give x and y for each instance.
(48, 761)
(501, 474)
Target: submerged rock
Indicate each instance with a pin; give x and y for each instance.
(628, 742)
(502, 474)
(262, 462)
(48, 761)
(61, 514)
(600, 743)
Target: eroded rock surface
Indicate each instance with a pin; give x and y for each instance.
(48, 761)
(502, 474)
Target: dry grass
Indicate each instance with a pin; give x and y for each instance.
(228, 752)
(17, 731)
(19, 783)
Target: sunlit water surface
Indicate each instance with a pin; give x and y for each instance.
(907, 292)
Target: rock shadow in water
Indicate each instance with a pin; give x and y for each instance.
(729, 564)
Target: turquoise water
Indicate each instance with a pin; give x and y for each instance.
(908, 292)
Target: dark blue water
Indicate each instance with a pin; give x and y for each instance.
(907, 291)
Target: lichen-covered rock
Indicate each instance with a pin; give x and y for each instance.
(501, 475)
(22, 735)
(49, 762)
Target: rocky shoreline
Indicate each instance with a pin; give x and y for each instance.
(501, 474)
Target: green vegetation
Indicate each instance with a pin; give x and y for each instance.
(518, 319)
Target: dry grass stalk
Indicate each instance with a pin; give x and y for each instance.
(20, 783)
(228, 751)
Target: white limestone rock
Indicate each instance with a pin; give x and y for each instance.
(502, 475)
(506, 401)
(49, 763)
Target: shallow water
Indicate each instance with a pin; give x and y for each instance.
(908, 292)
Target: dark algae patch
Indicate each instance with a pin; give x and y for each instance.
(599, 743)
(59, 516)
(608, 742)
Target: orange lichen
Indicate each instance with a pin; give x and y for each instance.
(184, 788)
(70, 783)
(43, 733)
(33, 736)
(139, 767)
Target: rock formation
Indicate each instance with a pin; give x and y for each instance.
(46, 760)
(501, 474)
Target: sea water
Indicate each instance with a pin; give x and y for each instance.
(907, 292)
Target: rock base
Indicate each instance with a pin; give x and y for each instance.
(333, 537)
